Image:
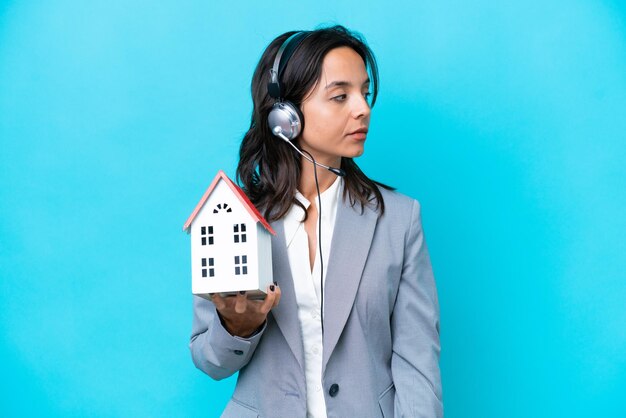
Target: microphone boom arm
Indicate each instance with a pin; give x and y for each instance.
(279, 133)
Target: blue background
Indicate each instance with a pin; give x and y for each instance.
(507, 120)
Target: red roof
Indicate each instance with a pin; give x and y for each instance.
(238, 192)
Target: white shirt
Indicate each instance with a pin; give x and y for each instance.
(307, 287)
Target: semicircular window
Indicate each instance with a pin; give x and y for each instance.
(221, 207)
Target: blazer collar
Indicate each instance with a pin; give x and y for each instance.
(351, 241)
(350, 245)
(286, 312)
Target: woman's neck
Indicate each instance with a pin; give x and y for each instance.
(325, 179)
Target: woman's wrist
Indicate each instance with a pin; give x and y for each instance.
(240, 330)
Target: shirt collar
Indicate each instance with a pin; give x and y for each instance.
(294, 218)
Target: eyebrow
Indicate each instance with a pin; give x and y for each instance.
(343, 83)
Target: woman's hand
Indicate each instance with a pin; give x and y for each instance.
(242, 316)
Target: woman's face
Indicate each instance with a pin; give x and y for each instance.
(336, 107)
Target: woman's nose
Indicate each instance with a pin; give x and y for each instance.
(361, 108)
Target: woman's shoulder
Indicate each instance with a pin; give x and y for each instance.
(402, 212)
(398, 202)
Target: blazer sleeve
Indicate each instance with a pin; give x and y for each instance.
(415, 331)
(213, 349)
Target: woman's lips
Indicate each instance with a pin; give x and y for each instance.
(358, 136)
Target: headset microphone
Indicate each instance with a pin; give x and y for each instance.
(279, 133)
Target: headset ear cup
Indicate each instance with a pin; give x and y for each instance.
(299, 116)
(288, 117)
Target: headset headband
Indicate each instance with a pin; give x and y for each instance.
(287, 48)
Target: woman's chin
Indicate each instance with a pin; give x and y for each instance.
(355, 152)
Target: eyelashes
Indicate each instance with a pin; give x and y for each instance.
(342, 97)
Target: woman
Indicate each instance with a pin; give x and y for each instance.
(368, 345)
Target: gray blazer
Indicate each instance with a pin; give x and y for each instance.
(381, 327)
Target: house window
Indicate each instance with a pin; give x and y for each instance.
(241, 265)
(206, 235)
(239, 231)
(208, 267)
(222, 206)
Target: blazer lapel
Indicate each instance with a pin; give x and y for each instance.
(352, 238)
(286, 312)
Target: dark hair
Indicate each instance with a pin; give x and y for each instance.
(268, 169)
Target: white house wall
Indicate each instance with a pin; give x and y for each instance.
(224, 248)
(266, 276)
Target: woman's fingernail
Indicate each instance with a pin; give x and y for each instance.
(242, 292)
(272, 287)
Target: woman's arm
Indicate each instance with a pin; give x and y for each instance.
(415, 331)
(218, 351)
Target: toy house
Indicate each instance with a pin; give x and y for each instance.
(230, 243)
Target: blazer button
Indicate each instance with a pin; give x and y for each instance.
(238, 352)
(334, 388)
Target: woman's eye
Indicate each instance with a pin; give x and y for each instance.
(342, 97)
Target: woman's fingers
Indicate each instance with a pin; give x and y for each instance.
(277, 294)
(218, 301)
(268, 303)
(241, 302)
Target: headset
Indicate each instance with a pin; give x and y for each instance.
(285, 119)
(284, 115)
